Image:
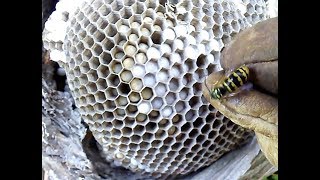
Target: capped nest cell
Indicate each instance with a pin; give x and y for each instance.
(135, 69)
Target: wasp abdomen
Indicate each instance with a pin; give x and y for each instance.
(231, 83)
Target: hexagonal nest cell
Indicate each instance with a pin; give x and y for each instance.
(135, 69)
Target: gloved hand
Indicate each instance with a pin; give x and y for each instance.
(257, 108)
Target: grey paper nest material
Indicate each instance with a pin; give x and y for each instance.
(61, 137)
(135, 70)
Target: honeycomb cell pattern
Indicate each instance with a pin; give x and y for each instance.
(135, 71)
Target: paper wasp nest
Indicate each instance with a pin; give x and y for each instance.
(135, 69)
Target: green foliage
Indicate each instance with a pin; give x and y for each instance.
(272, 177)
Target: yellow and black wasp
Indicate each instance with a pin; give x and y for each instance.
(230, 83)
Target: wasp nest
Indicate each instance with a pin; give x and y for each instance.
(135, 69)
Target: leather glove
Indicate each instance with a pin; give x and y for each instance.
(256, 108)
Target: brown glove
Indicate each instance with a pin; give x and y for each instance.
(255, 109)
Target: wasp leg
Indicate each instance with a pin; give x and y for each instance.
(246, 87)
(230, 95)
